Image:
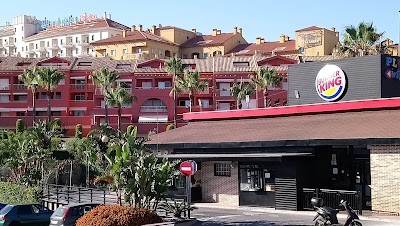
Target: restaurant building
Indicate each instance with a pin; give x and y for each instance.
(337, 143)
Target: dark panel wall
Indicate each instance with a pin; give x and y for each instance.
(363, 79)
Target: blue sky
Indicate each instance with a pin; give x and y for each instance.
(258, 18)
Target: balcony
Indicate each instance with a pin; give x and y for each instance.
(4, 87)
(67, 45)
(53, 47)
(41, 49)
(9, 44)
(153, 109)
(19, 87)
(135, 56)
(81, 86)
(30, 51)
(82, 43)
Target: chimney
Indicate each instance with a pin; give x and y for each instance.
(109, 16)
(140, 27)
(214, 32)
(286, 38)
(218, 32)
(133, 28)
(153, 29)
(235, 30)
(333, 29)
(194, 30)
(282, 39)
(258, 41)
(262, 40)
(105, 15)
(124, 33)
(240, 31)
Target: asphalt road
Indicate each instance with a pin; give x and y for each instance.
(227, 217)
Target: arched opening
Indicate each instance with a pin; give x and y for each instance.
(153, 105)
(167, 53)
(195, 55)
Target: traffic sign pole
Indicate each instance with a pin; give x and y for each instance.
(188, 192)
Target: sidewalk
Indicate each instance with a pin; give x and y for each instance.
(367, 215)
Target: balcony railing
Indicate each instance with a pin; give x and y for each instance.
(4, 87)
(81, 86)
(153, 109)
(19, 87)
(153, 87)
(9, 44)
(41, 49)
(67, 45)
(52, 47)
(223, 92)
(82, 43)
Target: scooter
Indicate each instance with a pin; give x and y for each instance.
(327, 216)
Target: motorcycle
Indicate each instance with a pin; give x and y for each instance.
(327, 216)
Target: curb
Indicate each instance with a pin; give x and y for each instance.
(303, 213)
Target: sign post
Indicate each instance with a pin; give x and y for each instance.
(187, 169)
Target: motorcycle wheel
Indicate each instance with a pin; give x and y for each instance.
(355, 223)
(319, 222)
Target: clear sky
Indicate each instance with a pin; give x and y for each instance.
(258, 18)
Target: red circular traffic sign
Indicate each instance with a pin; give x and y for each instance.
(186, 168)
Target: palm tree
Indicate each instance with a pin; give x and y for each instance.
(264, 79)
(239, 91)
(117, 97)
(49, 79)
(361, 40)
(190, 83)
(104, 79)
(29, 78)
(174, 67)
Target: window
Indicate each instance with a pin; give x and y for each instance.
(41, 96)
(92, 37)
(20, 113)
(76, 39)
(80, 97)
(48, 43)
(57, 96)
(184, 103)
(222, 169)
(78, 113)
(36, 46)
(122, 66)
(4, 98)
(61, 41)
(138, 50)
(241, 64)
(205, 55)
(22, 28)
(205, 103)
(61, 52)
(62, 82)
(55, 113)
(125, 51)
(22, 49)
(112, 52)
(15, 39)
(87, 50)
(77, 51)
(20, 98)
(15, 29)
(256, 178)
(24, 210)
(184, 56)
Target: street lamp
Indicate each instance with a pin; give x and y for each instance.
(87, 153)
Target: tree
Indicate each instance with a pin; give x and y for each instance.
(239, 91)
(117, 97)
(49, 79)
(30, 80)
(78, 131)
(129, 129)
(104, 79)
(174, 67)
(189, 83)
(19, 127)
(361, 40)
(264, 79)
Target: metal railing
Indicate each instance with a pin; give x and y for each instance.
(19, 87)
(153, 109)
(332, 198)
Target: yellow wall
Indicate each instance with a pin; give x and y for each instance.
(327, 40)
(176, 35)
(149, 49)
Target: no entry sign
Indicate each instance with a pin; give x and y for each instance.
(188, 168)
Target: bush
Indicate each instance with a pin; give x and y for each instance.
(78, 131)
(20, 126)
(129, 129)
(118, 216)
(19, 194)
(57, 122)
(170, 127)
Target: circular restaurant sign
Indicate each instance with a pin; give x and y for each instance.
(330, 82)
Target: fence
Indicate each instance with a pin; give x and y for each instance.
(332, 198)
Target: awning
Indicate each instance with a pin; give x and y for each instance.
(78, 77)
(247, 155)
(153, 118)
(78, 108)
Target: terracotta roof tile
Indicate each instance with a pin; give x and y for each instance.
(312, 28)
(77, 28)
(207, 40)
(6, 31)
(305, 127)
(266, 48)
(133, 36)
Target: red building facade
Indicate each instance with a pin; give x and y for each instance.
(77, 100)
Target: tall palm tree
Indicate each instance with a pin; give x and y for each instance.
(104, 79)
(29, 78)
(264, 79)
(239, 91)
(49, 79)
(189, 83)
(174, 67)
(361, 40)
(117, 97)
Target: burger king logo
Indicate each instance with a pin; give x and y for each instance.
(330, 83)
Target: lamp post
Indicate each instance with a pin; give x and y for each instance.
(87, 169)
(35, 83)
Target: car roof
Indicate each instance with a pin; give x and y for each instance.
(81, 204)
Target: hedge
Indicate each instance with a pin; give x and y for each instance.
(19, 194)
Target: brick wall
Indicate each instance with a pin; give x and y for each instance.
(385, 178)
(218, 188)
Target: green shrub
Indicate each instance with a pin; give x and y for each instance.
(78, 131)
(57, 122)
(20, 126)
(129, 129)
(170, 127)
(118, 216)
(19, 194)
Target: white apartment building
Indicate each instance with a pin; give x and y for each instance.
(27, 38)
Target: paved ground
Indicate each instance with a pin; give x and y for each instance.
(231, 217)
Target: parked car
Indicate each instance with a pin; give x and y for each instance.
(69, 214)
(2, 205)
(25, 214)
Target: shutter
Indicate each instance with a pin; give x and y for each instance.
(285, 194)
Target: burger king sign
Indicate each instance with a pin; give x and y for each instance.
(330, 82)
